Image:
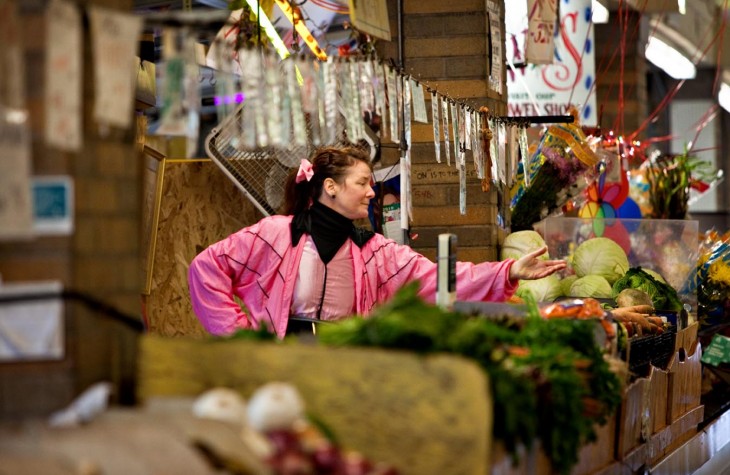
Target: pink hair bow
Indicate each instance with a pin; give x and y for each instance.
(305, 171)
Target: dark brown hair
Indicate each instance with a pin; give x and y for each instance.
(328, 162)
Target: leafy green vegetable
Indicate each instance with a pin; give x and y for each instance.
(663, 295)
(594, 286)
(546, 289)
(600, 256)
(538, 390)
(566, 283)
(519, 243)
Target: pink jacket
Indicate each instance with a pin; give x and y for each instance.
(259, 265)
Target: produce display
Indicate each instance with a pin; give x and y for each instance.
(550, 380)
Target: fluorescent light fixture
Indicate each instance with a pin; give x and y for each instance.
(599, 12)
(723, 97)
(669, 59)
(682, 6)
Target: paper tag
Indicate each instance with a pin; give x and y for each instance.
(115, 38)
(419, 102)
(63, 76)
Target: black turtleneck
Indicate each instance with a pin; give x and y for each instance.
(328, 228)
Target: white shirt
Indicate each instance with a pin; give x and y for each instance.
(335, 280)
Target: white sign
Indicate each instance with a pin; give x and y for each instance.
(63, 75)
(15, 156)
(496, 59)
(569, 81)
(540, 47)
(115, 38)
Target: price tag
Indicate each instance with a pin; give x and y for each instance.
(718, 351)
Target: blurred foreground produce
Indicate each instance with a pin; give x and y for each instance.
(550, 381)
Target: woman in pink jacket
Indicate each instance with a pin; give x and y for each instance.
(315, 263)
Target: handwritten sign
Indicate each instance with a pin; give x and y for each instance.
(16, 214)
(496, 58)
(63, 127)
(540, 46)
(552, 89)
(115, 37)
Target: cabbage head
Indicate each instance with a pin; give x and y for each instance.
(546, 289)
(600, 256)
(519, 243)
(591, 286)
(566, 283)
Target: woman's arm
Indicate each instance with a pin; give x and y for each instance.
(212, 277)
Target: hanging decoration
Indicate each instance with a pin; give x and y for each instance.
(540, 44)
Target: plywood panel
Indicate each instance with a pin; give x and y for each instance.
(198, 205)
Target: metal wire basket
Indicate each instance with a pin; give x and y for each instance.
(261, 173)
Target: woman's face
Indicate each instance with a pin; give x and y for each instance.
(352, 196)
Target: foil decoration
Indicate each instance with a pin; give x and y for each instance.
(513, 145)
(329, 77)
(502, 147)
(463, 139)
(379, 84)
(445, 116)
(392, 91)
(321, 119)
(351, 100)
(405, 167)
(523, 153)
(299, 126)
(251, 118)
(273, 96)
(477, 147)
(494, 150)
(467, 128)
(365, 88)
(225, 86)
(455, 130)
(310, 99)
(435, 117)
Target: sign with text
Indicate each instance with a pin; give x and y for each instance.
(552, 89)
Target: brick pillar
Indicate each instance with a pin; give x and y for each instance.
(445, 48)
(101, 258)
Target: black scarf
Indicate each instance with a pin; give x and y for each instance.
(329, 230)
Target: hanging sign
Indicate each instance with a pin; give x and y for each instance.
(494, 38)
(552, 89)
(63, 75)
(371, 16)
(539, 44)
(115, 38)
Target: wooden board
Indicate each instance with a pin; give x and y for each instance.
(198, 206)
(422, 414)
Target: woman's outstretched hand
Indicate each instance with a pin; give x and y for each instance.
(530, 267)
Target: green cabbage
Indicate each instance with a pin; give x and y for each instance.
(566, 283)
(519, 243)
(546, 289)
(594, 286)
(600, 256)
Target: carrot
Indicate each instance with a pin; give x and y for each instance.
(647, 309)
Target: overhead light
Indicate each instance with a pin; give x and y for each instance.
(599, 12)
(723, 97)
(669, 59)
(682, 6)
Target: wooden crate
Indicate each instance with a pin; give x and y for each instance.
(643, 411)
(685, 381)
